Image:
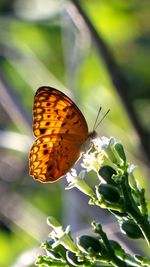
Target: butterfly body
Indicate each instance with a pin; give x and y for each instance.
(61, 131)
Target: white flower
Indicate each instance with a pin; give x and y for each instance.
(92, 161)
(71, 175)
(75, 180)
(103, 143)
(131, 168)
(61, 235)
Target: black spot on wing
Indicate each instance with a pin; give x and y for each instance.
(76, 122)
(42, 131)
(71, 115)
(45, 145)
(45, 152)
(47, 123)
(50, 167)
(66, 108)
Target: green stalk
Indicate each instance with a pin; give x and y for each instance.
(112, 258)
(133, 210)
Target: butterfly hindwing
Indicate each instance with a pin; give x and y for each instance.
(52, 156)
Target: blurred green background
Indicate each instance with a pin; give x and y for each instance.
(47, 42)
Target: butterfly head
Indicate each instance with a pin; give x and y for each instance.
(86, 146)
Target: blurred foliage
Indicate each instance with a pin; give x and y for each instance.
(45, 43)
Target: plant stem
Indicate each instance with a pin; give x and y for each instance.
(133, 210)
(114, 260)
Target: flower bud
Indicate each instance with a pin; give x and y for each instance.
(111, 155)
(89, 244)
(115, 245)
(106, 172)
(51, 221)
(109, 192)
(131, 229)
(120, 150)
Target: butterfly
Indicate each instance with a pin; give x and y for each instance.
(61, 131)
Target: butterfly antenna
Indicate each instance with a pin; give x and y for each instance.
(95, 126)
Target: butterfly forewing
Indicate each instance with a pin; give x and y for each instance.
(55, 113)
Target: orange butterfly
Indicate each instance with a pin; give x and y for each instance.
(61, 130)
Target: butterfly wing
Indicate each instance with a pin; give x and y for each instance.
(54, 112)
(60, 129)
(52, 156)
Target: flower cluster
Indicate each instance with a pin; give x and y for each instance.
(104, 151)
(117, 191)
